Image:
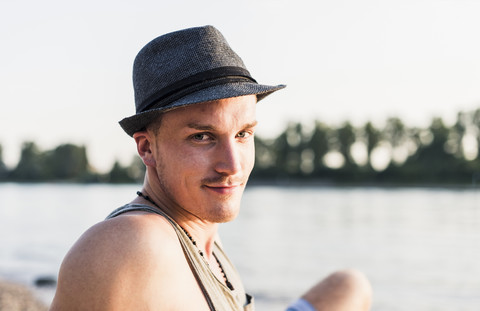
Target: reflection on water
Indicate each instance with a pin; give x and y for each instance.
(419, 247)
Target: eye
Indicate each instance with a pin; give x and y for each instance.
(244, 134)
(200, 137)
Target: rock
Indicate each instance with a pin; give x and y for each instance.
(45, 281)
(15, 297)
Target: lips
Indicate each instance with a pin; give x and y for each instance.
(224, 189)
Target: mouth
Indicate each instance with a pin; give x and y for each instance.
(224, 189)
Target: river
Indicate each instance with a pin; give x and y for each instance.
(420, 247)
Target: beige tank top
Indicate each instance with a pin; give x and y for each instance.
(219, 297)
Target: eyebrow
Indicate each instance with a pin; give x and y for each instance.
(208, 127)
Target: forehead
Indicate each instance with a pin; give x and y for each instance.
(222, 113)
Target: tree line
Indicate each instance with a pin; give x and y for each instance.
(391, 154)
(66, 163)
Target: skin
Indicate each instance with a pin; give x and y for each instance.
(197, 166)
(345, 290)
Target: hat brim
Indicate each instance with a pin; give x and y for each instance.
(139, 121)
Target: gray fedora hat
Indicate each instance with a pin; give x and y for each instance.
(187, 67)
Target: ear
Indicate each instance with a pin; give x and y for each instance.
(143, 140)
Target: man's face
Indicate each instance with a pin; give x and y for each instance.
(204, 154)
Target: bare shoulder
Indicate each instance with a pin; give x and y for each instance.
(117, 261)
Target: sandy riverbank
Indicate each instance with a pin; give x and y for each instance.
(15, 297)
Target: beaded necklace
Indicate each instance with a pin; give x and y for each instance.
(227, 282)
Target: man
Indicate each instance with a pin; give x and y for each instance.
(194, 127)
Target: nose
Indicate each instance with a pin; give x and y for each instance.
(229, 158)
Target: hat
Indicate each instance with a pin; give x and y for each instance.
(186, 67)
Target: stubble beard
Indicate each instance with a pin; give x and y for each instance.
(219, 212)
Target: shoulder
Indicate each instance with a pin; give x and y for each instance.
(138, 236)
(116, 258)
(131, 232)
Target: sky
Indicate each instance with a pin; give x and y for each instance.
(65, 66)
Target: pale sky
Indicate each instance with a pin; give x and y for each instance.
(65, 66)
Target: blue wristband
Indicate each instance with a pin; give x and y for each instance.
(301, 305)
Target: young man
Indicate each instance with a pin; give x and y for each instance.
(194, 127)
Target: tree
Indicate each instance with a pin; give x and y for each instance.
(372, 139)
(319, 144)
(286, 148)
(431, 162)
(476, 127)
(346, 138)
(119, 174)
(264, 155)
(136, 169)
(133, 173)
(67, 162)
(31, 164)
(395, 133)
(3, 167)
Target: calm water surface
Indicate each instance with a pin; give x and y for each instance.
(419, 247)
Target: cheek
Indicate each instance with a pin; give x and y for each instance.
(186, 162)
(250, 156)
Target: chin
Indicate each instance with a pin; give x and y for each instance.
(224, 214)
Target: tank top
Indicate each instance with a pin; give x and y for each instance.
(219, 297)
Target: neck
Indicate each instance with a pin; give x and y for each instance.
(204, 237)
(203, 234)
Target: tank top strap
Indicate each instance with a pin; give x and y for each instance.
(138, 208)
(149, 209)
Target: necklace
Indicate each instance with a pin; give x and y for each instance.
(227, 282)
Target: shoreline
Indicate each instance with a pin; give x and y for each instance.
(18, 297)
(309, 183)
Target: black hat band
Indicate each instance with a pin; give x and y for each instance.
(194, 83)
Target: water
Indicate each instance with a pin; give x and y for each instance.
(419, 247)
